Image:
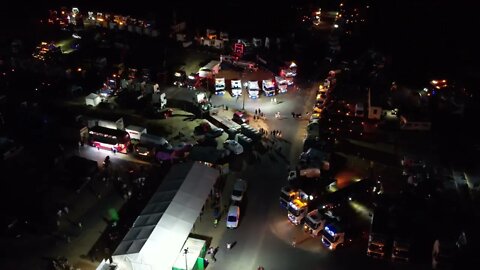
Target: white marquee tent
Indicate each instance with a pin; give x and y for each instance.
(160, 231)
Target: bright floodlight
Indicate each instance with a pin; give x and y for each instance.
(335, 25)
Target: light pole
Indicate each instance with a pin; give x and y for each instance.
(185, 252)
(244, 94)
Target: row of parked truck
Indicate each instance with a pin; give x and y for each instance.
(325, 213)
(269, 87)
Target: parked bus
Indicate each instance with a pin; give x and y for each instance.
(110, 139)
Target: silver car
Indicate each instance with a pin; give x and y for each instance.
(239, 189)
(233, 216)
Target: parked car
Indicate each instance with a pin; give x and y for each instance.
(233, 146)
(239, 189)
(292, 175)
(233, 216)
(240, 118)
(208, 130)
(181, 150)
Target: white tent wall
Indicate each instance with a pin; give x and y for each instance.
(164, 243)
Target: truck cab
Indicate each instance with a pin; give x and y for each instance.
(401, 250)
(192, 81)
(236, 86)
(379, 229)
(180, 78)
(219, 86)
(253, 89)
(287, 194)
(300, 205)
(144, 150)
(297, 210)
(282, 84)
(316, 220)
(377, 243)
(333, 236)
(268, 88)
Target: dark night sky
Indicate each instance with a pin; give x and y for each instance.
(436, 36)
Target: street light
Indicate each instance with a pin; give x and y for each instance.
(185, 252)
(243, 106)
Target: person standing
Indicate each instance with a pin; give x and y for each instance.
(211, 251)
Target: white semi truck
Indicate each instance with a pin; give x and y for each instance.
(304, 201)
(298, 208)
(236, 87)
(253, 89)
(282, 84)
(219, 86)
(268, 88)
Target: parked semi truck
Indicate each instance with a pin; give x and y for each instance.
(331, 208)
(253, 89)
(287, 194)
(282, 84)
(308, 198)
(236, 87)
(219, 86)
(401, 249)
(299, 207)
(268, 87)
(379, 231)
(316, 220)
(334, 235)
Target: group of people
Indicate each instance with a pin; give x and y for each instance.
(296, 115)
(258, 114)
(276, 133)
